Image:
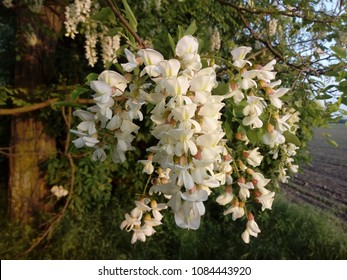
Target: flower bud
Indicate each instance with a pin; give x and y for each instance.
(250, 216)
(198, 155)
(250, 171)
(257, 193)
(164, 180)
(233, 85)
(275, 115)
(263, 84)
(238, 136)
(227, 157)
(153, 204)
(242, 180)
(243, 70)
(147, 217)
(228, 189)
(270, 128)
(269, 91)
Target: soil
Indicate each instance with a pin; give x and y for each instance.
(323, 182)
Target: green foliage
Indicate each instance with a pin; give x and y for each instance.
(156, 20)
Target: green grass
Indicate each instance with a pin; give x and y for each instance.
(289, 231)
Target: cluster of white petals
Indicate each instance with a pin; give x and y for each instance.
(78, 14)
(7, 3)
(192, 157)
(143, 218)
(59, 191)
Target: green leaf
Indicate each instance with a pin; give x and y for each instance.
(105, 15)
(91, 77)
(253, 136)
(323, 96)
(191, 29)
(77, 92)
(221, 89)
(228, 132)
(171, 42)
(180, 32)
(114, 31)
(130, 16)
(292, 138)
(332, 143)
(339, 51)
(329, 87)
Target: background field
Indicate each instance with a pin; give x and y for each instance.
(323, 182)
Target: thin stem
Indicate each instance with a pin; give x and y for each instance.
(147, 184)
(125, 23)
(294, 13)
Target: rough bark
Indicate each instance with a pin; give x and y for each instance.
(37, 36)
(27, 186)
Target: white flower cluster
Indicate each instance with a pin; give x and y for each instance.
(192, 156)
(263, 101)
(78, 13)
(7, 3)
(110, 45)
(59, 191)
(133, 222)
(215, 40)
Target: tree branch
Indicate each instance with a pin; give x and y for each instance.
(293, 13)
(125, 23)
(38, 106)
(29, 108)
(256, 36)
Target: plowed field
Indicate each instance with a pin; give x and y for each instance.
(323, 183)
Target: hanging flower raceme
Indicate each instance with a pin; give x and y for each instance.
(193, 157)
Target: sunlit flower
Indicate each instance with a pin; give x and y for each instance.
(276, 95)
(117, 82)
(59, 191)
(253, 157)
(238, 56)
(225, 198)
(236, 211)
(244, 190)
(252, 229)
(273, 138)
(132, 62)
(151, 58)
(266, 198)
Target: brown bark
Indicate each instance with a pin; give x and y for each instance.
(27, 186)
(36, 38)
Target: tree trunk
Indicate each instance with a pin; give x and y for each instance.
(37, 35)
(27, 187)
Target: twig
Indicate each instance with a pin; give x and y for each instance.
(67, 119)
(125, 23)
(29, 108)
(292, 13)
